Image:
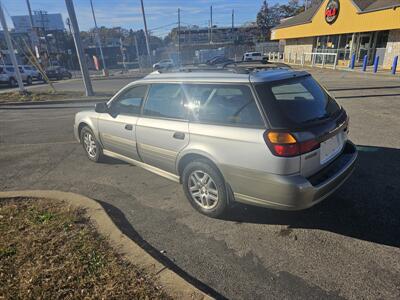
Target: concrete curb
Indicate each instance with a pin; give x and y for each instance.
(173, 284)
(63, 101)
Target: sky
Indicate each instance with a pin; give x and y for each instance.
(160, 14)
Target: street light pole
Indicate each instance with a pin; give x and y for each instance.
(98, 40)
(11, 49)
(146, 35)
(78, 46)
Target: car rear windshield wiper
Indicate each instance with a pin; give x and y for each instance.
(326, 116)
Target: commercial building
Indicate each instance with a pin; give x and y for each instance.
(345, 27)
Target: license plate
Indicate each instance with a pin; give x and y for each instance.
(331, 147)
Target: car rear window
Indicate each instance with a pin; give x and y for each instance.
(296, 101)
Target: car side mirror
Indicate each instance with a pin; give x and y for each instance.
(101, 107)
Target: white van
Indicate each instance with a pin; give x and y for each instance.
(253, 56)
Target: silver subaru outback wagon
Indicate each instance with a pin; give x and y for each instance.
(272, 138)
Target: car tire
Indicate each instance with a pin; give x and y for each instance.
(92, 147)
(12, 82)
(29, 80)
(202, 184)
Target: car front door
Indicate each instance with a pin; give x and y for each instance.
(117, 128)
(163, 130)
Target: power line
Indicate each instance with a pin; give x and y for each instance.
(163, 26)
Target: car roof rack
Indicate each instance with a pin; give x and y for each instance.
(240, 67)
(251, 66)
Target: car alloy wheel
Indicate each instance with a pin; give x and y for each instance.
(203, 189)
(90, 144)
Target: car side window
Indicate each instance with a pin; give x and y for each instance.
(165, 101)
(130, 101)
(223, 104)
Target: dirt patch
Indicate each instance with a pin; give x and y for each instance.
(51, 250)
(39, 96)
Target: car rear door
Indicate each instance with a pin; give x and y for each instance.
(117, 128)
(162, 130)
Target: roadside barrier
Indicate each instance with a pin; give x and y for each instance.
(365, 60)
(376, 63)
(394, 65)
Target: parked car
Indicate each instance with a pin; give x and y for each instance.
(164, 64)
(254, 56)
(31, 71)
(58, 73)
(219, 60)
(8, 76)
(272, 138)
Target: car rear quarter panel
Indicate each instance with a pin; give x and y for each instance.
(241, 155)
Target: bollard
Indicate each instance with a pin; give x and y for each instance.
(353, 61)
(394, 66)
(376, 62)
(365, 60)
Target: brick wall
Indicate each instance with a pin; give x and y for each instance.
(392, 49)
(299, 46)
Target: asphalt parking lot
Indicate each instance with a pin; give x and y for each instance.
(348, 246)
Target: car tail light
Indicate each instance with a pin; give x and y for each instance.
(286, 145)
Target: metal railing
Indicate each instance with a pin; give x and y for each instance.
(322, 59)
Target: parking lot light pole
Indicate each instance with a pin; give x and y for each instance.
(11, 50)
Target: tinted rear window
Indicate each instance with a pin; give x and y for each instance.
(296, 101)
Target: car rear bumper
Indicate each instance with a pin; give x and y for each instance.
(297, 192)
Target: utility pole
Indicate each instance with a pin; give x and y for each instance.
(11, 49)
(78, 46)
(179, 36)
(137, 52)
(146, 35)
(105, 73)
(233, 25)
(211, 24)
(35, 39)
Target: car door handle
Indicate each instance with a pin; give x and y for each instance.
(128, 127)
(179, 135)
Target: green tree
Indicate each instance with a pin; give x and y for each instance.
(267, 17)
(291, 9)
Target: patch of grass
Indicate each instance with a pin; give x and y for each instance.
(49, 250)
(39, 96)
(9, 251)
